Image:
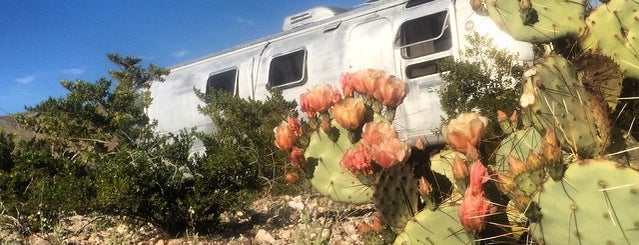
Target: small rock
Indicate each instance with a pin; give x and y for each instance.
(263, 237)
(37, 240)
(178, 241)
(121, 228)
(296, 204)
(160, 242)
(95, 238)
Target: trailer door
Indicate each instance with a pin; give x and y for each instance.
(370, 45)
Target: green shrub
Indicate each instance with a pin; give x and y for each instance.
(95, 151)
(37, 189)
(484, 80)
(245, 128)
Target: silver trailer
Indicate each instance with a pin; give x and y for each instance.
(406, 38)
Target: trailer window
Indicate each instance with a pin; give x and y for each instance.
(413, 3)
(425, 35)
(424, 68)
(288, 69)
(223, 81)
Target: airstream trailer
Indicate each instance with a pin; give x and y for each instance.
(406, 38)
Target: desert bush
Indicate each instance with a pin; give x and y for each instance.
(95, 151)
(485, 79)
(243, 137)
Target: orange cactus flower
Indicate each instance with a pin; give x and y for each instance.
(374, 133)
(368, 81)
(348, 82)
(390, 152)
(349, 112)
(467, 128)
(357, 161)
(391, 92)
(318, 99)
(284, 137)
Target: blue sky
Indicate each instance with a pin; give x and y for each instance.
(43, 41)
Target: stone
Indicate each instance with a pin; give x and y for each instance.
(263, 237)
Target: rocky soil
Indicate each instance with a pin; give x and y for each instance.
(304, 219)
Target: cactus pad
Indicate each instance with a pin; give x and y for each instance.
(328, 177)
(538, 21)
(557, 100)
(594, 204)
(613, 29)
(442, 163)
(396, 195)
(518, 144)
(601, 74)
(441, 226)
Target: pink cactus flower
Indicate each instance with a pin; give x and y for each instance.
(475, 207)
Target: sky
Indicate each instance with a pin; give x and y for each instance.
(43, 42)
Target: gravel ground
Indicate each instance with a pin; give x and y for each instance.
(302, 219)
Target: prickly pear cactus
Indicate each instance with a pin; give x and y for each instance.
(595, 203)
(442, 163)
(396, 195)
(557, 100)
(441, 226)
(518, 144)
(613, 30)
(602, 73)
(329, 178)
(538, 20)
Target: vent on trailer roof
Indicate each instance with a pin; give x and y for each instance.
(310, 16)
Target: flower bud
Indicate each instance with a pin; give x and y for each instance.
(550, 150)
(516, 166)
(419, 144)
(297, 157)
(514, 117)
(501, 116)
(425, 188)
(506, 183)
(291, 177)
(533, 161)
(460, 170)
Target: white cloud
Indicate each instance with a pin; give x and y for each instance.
(243, 20)
(26, 79)
(180, 53)
(73, 71)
